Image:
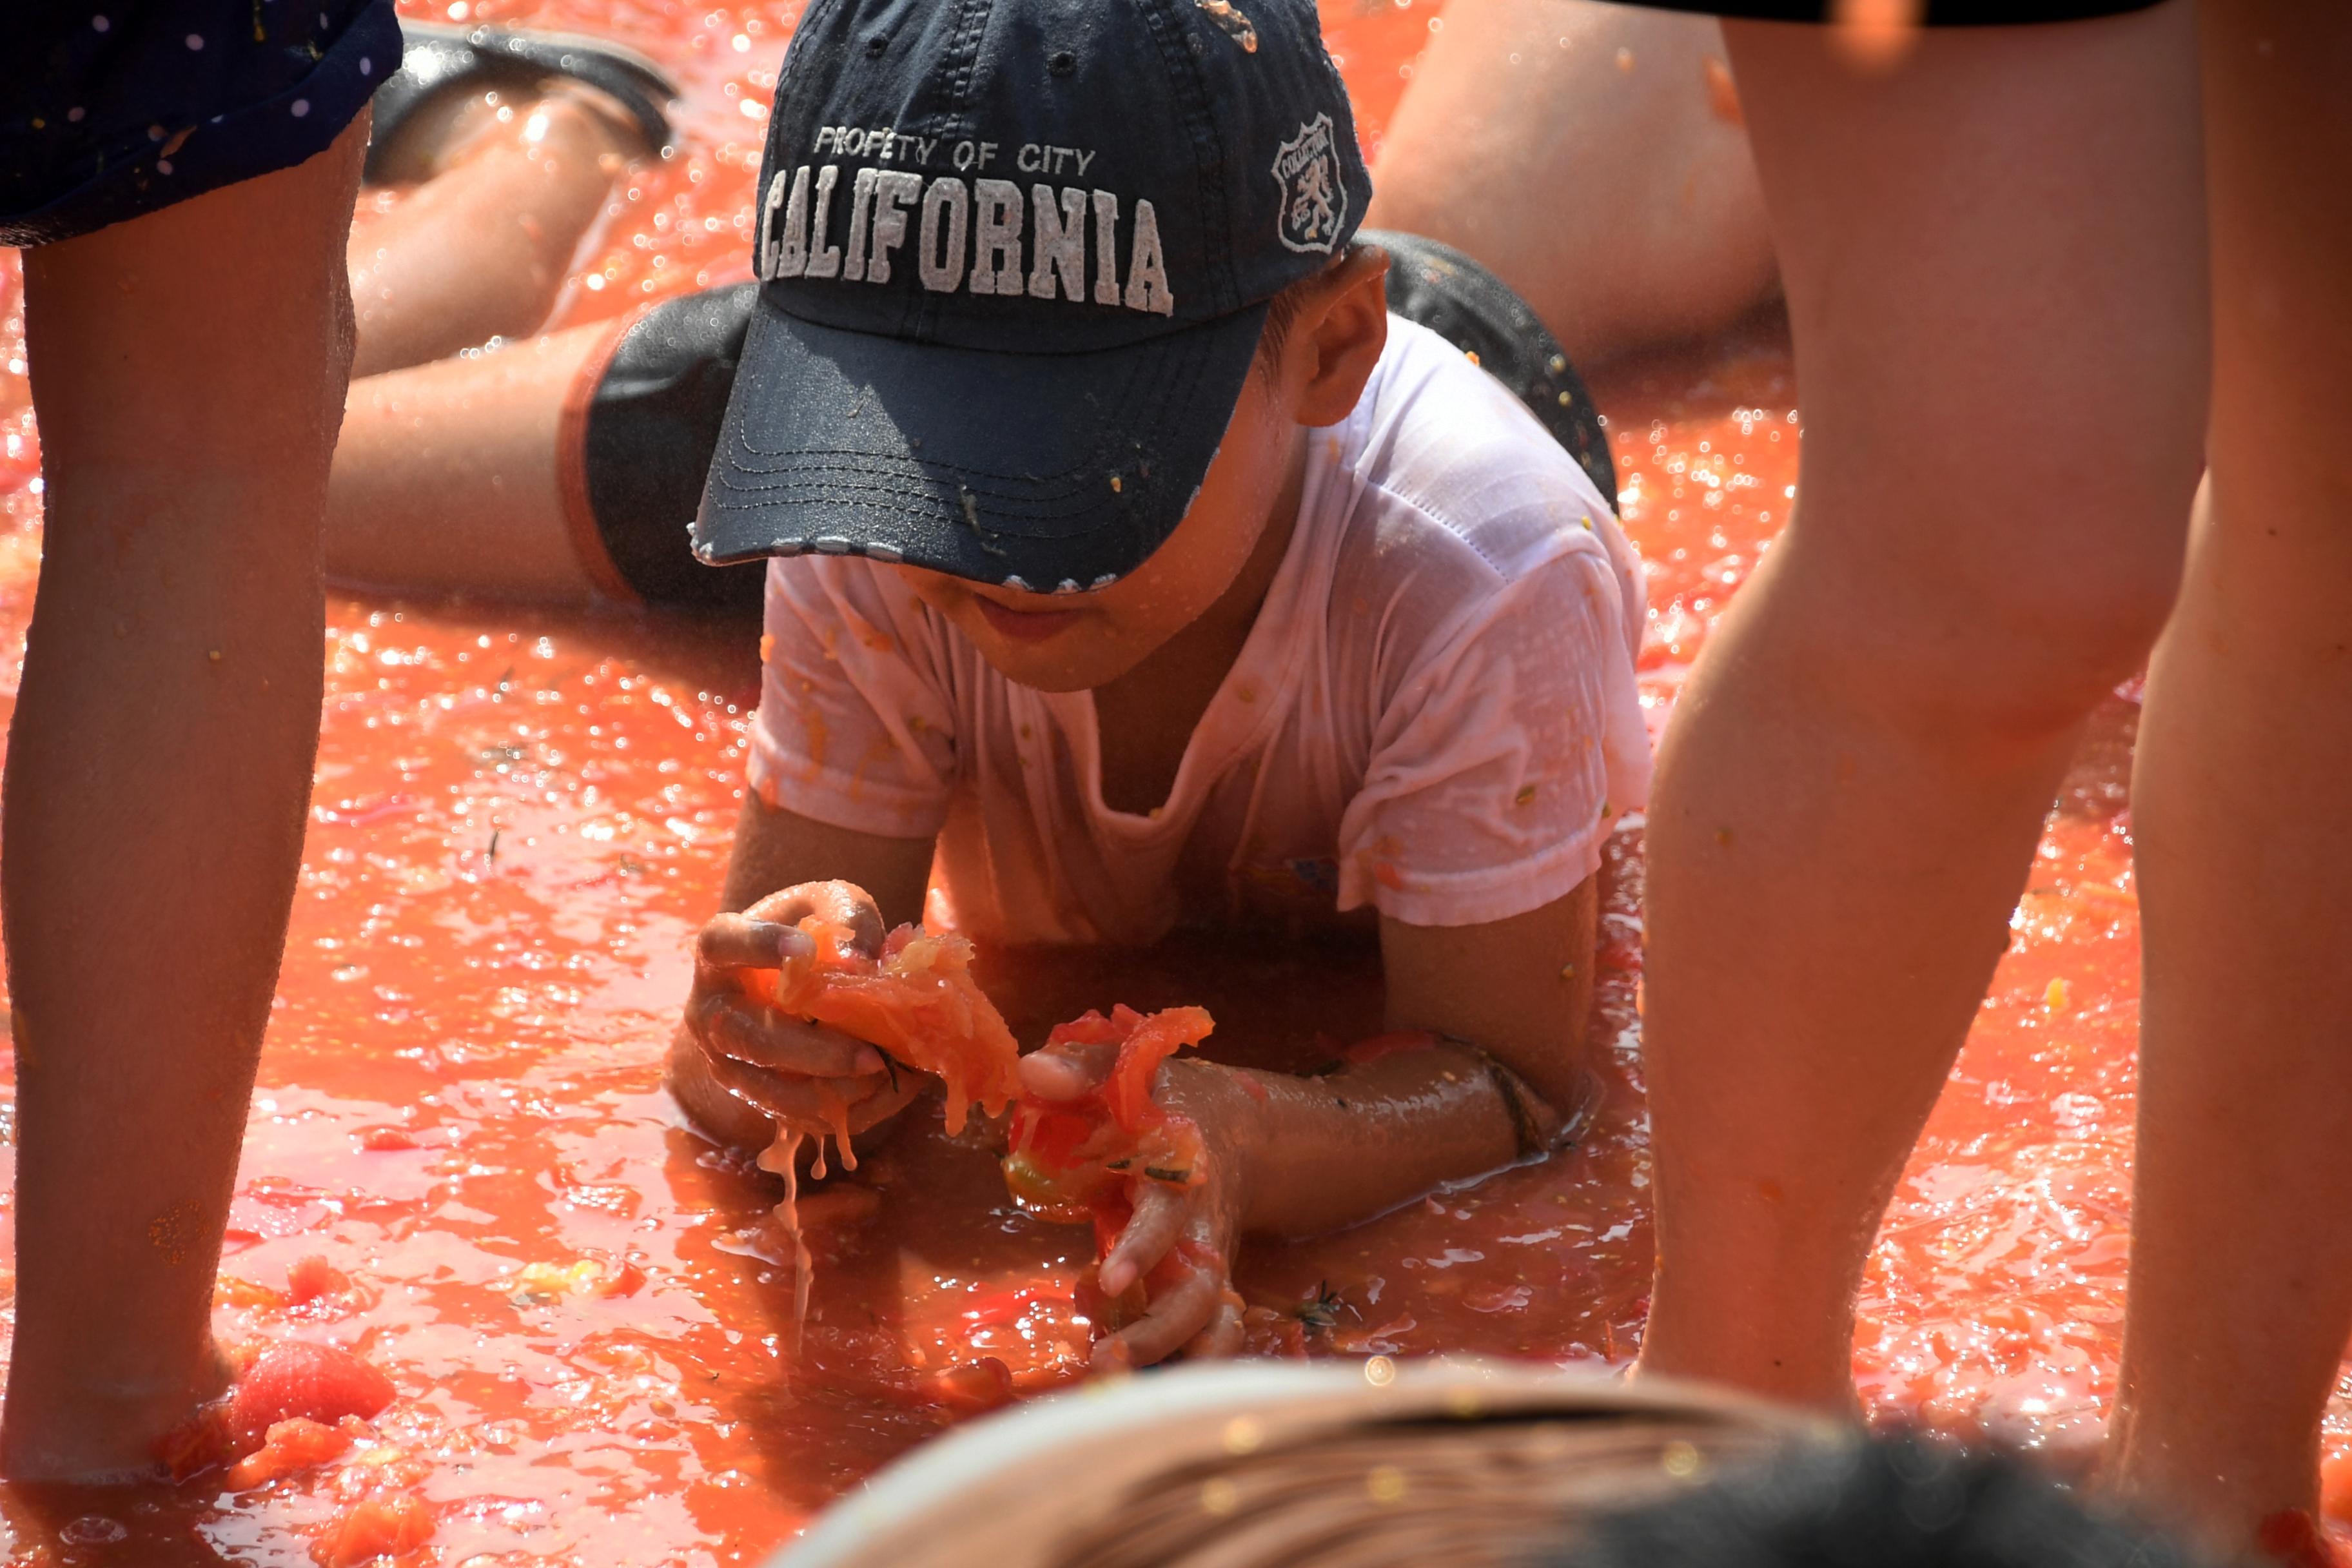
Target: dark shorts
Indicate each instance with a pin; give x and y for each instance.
(113, 108)
(1938, 12)
(640, 430)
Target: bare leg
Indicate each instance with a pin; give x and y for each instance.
(448, 481)
(2242, 1219)
(1593, 156)
(480, 251)
(1995, 271)
(188, 372)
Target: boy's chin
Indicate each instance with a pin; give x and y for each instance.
(1049, 666)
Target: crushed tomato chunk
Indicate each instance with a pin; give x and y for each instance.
(918, 1002)
(1066, 1157)
(294, 1445)
(290, 1380)
(371, 1528)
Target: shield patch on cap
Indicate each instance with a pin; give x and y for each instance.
(1314, 189)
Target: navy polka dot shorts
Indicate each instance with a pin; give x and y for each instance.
(112, 108)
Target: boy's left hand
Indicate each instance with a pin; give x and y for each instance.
(1180, 1240)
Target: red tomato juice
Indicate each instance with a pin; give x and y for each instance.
(520, 819)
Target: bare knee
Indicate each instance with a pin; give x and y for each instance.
(2000, 509)
(2057, 636)
(2010, 627)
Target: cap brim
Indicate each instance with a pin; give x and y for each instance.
(1045, 471)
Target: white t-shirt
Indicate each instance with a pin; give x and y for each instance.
(1434, 714)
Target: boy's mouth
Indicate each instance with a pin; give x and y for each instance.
(1023, 625)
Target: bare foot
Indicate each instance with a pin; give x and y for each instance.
(482, 248)
(444, 130)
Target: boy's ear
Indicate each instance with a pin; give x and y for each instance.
(1337, 338)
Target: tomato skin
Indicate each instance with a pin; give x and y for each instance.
(1066, 1157)
(1050, 1135)
(295, 1378)
(1149, 1042)
(372, 1528)
(1092, 1028)
(198, 1443)
(289, 1381)
(971, 1387)
(294, 1445)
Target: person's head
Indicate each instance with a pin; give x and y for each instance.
(1900, 1502)
(1322, 337)
(1053, 291)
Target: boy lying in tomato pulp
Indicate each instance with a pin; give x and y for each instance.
(1135, 569)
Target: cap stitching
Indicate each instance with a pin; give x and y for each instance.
(904, 502)
(924, 311)
(974, 21)
(927, 472)
(1169, 33)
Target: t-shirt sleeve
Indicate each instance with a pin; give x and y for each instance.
(1505, 755)
(856, 726)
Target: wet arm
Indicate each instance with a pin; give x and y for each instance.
(775, 849)
(1322, 1153)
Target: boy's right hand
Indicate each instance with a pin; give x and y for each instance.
(789, 1069)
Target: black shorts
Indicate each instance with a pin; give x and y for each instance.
(113, 108)
(1937, 12)
(639, 431)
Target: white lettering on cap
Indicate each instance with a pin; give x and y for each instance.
(894, 190)
(861, 202)
(996, 238)
(823, 257)
(1146, 273)
(940, 258)
(970, 235)
(764, 262)
(1060, 247)
(783, 253)
(1105, 249)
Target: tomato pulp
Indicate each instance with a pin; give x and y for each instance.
(519, 820)
(917, 1001)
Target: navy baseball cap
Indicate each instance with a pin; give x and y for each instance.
(1016, 256)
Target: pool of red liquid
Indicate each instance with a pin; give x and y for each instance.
(518, 820)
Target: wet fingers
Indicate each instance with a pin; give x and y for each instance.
(1177, 1315)
(1160, 1215)
(843, 903)
(806, 1104)
(764, 1039)
(738, 941)
(1224, 1337)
